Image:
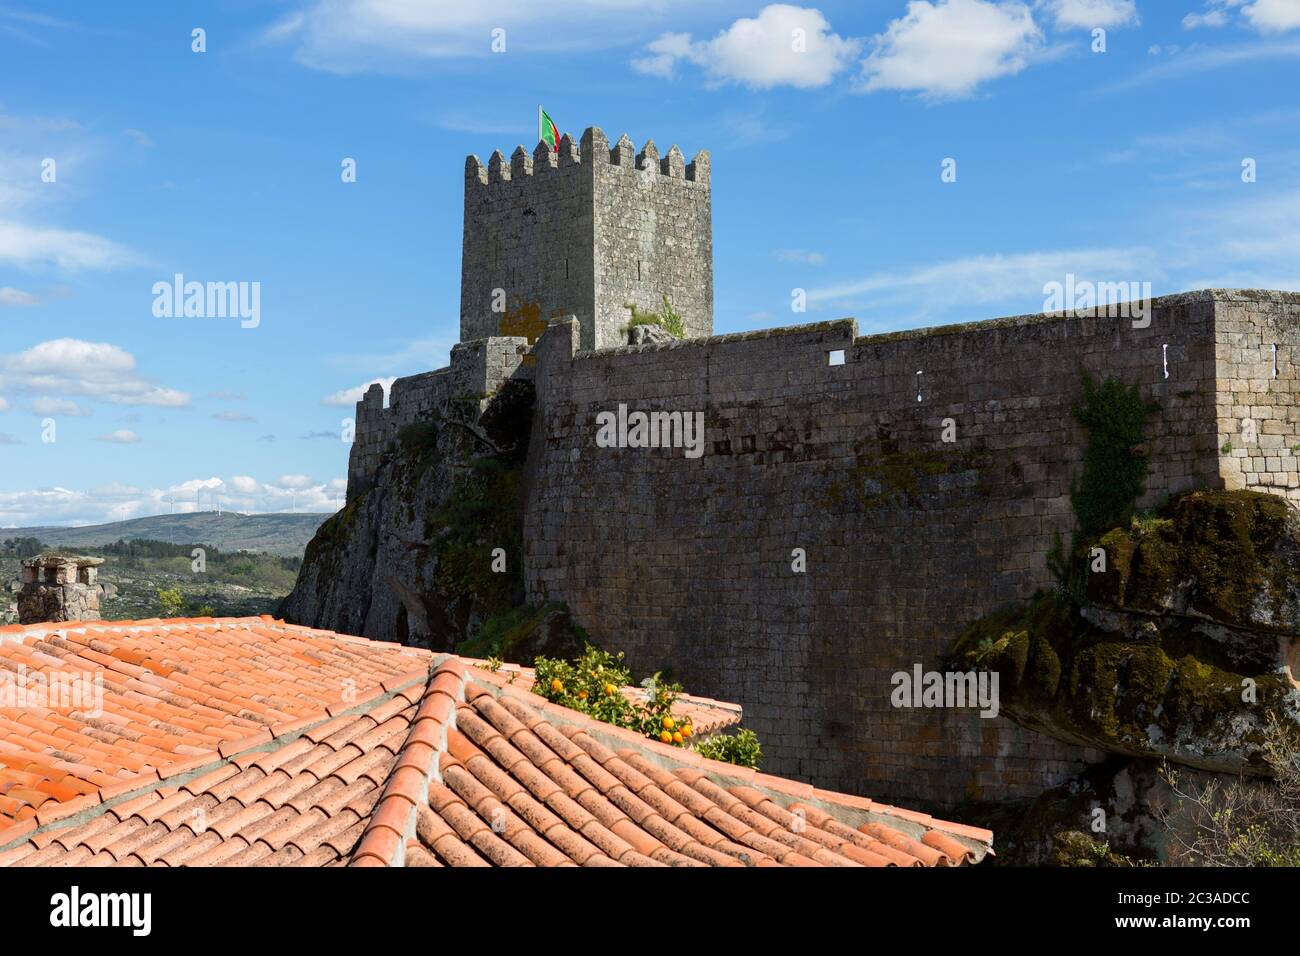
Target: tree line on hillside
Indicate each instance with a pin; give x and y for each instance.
(234, 565)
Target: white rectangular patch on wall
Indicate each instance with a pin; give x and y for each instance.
(835, 357)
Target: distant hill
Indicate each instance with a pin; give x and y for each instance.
(282, 534)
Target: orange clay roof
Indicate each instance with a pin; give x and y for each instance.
(255, 742)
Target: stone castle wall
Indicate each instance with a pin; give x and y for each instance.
(685, 564)
(583, 231)
(477, 369)
(1259, 417)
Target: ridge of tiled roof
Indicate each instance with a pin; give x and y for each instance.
(492, 774)
(307, 747)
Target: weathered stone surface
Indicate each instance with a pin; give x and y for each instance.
(59, 587)
(1230, 557)
(686, 563)
(585, 236)
(1179, 652)
(907, 538)
(648, 334)
(402, 561)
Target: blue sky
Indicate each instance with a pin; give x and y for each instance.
(224, 165)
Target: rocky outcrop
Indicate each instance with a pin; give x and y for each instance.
(412, 557)
(1174, 637)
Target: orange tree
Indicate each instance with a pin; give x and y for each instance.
(593, 684)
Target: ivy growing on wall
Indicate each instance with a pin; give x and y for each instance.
(1114, 470)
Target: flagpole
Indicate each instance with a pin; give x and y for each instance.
(539, 122)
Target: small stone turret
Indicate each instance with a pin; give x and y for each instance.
(59, 587)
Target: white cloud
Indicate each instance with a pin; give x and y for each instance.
(1210, 18)
(346, 36)
(4, 404)
(1266, 16)
(784, 45)
(28, 246)
(140, 137)
(926, 292)
(946, 49)
(1196, 60)
(94, 369)
(806, 256)
(1088, 14)
(662, 54)
(1245, 243)
(1273, 15)
(117, 502)
(244, 485)
(233, 417)
(58, 406)
(10, 296)
(123, 436)
(350, 396)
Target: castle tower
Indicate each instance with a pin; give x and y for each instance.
(584, 231)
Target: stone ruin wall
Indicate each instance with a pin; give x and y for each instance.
(686, 564)
(582, 231)
(477, 370)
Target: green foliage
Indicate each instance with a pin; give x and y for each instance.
(419, 440)
(593, 684)
(524, 632)
(170, 603)
(741, 748)
(482, 513)
(508, 419)
(499, 632)
(1239, 822)
(1114, 472)
(666, 318)
(22, 547)
(246, 568)
(1076, 848)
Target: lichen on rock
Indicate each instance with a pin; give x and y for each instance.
(1180, 647)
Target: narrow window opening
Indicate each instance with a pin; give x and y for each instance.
(835, 357)
(638, 270)
(918, 384)
(1275, 366)
(1164, 358)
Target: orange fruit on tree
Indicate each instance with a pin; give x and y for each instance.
(677, 737)
(557, 685)
(666, 737)
(609, 690)
(686, 730)
(582, 695)
(669, 723)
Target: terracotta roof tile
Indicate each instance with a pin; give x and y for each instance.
(232, 742)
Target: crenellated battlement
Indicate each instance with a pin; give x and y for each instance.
(623, 155)
(587, 229)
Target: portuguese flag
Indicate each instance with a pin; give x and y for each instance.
(547, 132)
